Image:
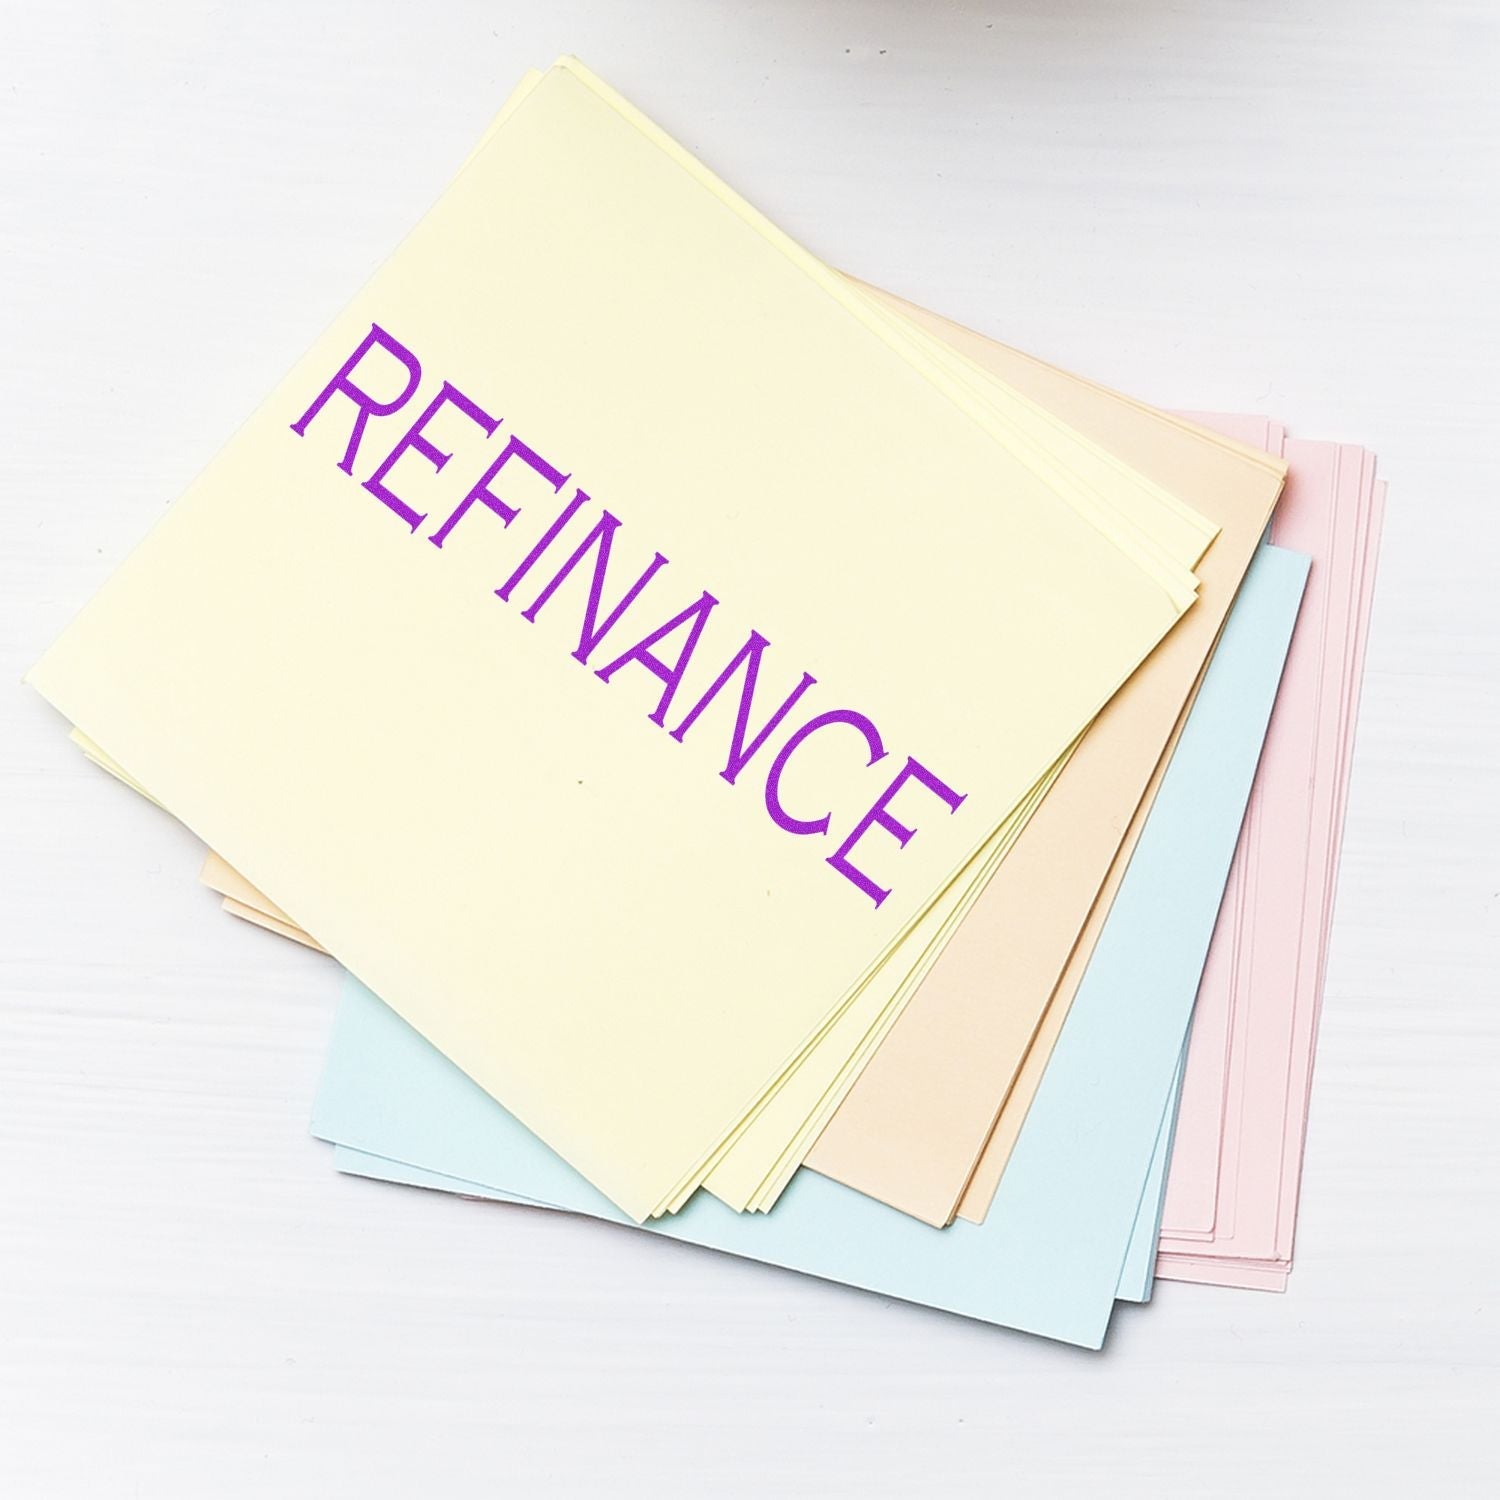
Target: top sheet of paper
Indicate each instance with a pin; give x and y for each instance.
(355, 653)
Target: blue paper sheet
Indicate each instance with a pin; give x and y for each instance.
(1138, 1276)
(1050, 1255)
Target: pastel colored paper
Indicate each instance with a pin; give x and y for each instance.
(311, 669)
(1138, 1275)
(906, 1110)
(1049, 1257)
(1164, 533)
(258, 918)
(1012, 1115)
(1231, 1205)
(915, 1120)
(1198, 1138)
(754, 1167)
(744, 1174)
(757, 1167)
(382, 1169)
(918, 1118)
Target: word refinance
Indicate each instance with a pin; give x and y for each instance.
(688, 624)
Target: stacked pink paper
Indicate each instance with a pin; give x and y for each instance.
(1231, 1200)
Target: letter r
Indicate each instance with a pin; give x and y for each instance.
(367, 405)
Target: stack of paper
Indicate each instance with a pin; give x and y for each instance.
(737, 721)
(1232, 1188)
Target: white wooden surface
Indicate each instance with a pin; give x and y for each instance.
(1274, 206)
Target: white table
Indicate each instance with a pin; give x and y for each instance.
(1280, 206)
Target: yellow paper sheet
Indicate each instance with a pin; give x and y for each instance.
(639, 949)
(1160, 530)
(889, 1138)
(906, 1138)
(1154, 524)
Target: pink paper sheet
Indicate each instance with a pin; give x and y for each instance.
(1236, 1166)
